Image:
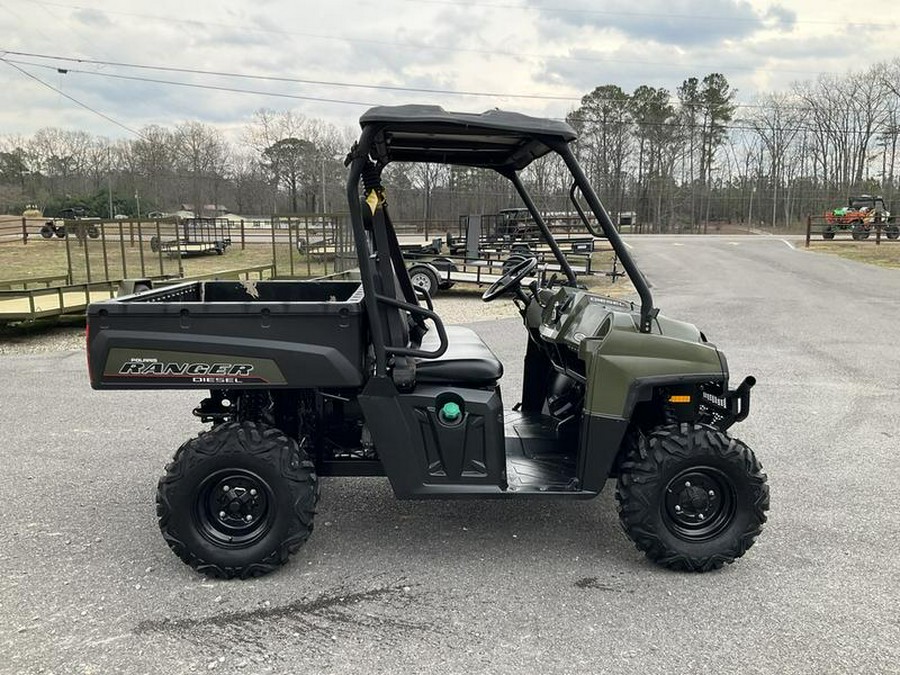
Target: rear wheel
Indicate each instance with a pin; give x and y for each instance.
(828, 233)
(237, 501)
(691, 497)
(47, 231)
(892, 231)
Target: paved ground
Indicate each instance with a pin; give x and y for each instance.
(87, 584)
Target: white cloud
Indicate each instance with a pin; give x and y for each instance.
(479, 45)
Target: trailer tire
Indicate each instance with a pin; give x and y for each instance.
(690, 497)
(154, 244)
(47, 231)
(93, 232)
(424, 278)
(237, 501)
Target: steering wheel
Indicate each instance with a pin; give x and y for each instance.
(510, 278)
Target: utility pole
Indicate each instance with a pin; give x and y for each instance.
(137, 199)
(109, 180)
(323, 185)
(750, 214)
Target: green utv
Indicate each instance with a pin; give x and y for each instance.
(362, 378)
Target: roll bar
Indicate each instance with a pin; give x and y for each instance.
(359, 161)
(648, 311)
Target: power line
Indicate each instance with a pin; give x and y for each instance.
(573, 117)
(330, 83)
(280, 78)
(71, 98)
(193, 85)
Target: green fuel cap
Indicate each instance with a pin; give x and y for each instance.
(450, 411)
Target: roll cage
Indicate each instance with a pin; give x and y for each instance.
(503, 141)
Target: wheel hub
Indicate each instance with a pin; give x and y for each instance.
(237, 501)
(234, 507)
(699, 503)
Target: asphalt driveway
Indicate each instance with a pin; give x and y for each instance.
(87, 584)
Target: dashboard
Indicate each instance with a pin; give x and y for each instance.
(571, 315)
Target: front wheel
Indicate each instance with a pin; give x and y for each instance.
(691, 497)
(237, 501)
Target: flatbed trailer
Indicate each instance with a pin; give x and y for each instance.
(47, 301)
(41, 303)
(436, 273)
(490, 234)
(193, 237)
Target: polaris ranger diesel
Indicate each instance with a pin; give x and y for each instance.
(362, 378)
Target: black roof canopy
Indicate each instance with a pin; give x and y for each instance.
(494, 139)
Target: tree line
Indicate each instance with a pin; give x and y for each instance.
(678, 159)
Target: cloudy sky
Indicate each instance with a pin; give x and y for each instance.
(335, 58)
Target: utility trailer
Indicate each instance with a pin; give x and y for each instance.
(440, 273)
(314, 378)
(512, 231)
(194, 237)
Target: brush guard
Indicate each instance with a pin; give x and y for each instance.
(722, 407)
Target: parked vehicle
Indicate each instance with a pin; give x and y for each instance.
(73, 219)
(861, 215)
(362, 378)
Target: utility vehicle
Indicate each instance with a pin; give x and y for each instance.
(362, 378)
(861, 215)
(85, 225)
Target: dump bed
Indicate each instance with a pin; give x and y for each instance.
(230, 334)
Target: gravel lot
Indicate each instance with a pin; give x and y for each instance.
(384, 586)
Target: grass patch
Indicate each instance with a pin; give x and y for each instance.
(887, 254)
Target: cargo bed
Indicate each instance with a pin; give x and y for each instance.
(230, 334)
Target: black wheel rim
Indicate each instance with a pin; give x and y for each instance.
(699, 503)
(234, 508)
